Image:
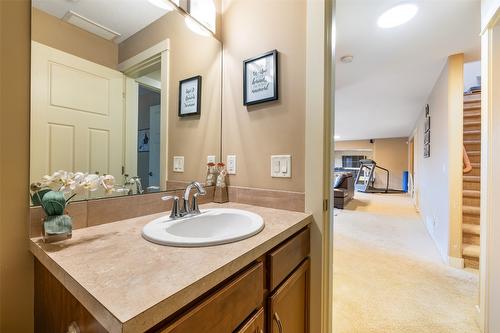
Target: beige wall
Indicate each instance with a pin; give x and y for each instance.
(190, 54)
(391, 154)
(437, 184)
(16, 263)
(53, 32)
(255, 133)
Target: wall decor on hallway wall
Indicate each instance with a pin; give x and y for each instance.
(427, 132)
(190, 96)
(143, 141)
(260, 78)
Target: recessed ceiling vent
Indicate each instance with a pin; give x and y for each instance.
(89, 25)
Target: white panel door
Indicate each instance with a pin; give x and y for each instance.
(76, 114)
(154, 145)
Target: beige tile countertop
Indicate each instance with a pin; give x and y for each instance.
(129, 284)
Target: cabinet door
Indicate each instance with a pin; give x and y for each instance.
(289, 305)
(255, 324)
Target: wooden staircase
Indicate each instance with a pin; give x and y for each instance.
(472, 181)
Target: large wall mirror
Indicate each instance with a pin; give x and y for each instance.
(124, 87)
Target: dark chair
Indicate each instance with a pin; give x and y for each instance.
(343, 190)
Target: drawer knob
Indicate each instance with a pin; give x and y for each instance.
(276, 318)
(73, 328)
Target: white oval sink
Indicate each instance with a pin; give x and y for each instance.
(211, 227)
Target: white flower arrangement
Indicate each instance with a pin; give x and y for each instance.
(76, 182)
(69, 184)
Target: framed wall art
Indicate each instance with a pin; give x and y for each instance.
(427, 132)
(190, 96)
(260, 78)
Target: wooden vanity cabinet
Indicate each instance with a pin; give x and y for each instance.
(256, 323)
(288, 306)
(271, 295)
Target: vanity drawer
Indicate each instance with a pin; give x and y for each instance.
(286, 257)
(255, 324)
(225, 310)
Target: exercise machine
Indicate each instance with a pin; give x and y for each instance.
(365, 178)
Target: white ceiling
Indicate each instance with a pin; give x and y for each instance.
(123, 16)
(382, 92)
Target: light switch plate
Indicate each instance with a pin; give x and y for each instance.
(231, 164)
(211, 159)
(178, 163)
(281, 166)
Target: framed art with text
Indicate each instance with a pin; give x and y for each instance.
(260, 78)
(190, 96)
(427, 132)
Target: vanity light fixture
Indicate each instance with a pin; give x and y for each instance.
(90, 26)
(163, 4)
(336, 137)
(196, 27)
(347, 59)
(397, 15)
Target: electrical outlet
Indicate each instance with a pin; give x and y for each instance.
(178, 163)
(231, 164)
(211, 159)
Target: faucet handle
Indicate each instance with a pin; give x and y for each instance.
(175, 206)
(194, 202)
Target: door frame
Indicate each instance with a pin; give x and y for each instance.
(319, 136)
(489, 273)
(155, 55)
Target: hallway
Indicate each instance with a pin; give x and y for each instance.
(389, 276)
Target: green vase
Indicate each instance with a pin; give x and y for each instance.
(57, 227)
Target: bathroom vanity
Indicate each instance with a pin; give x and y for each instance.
(108, 278)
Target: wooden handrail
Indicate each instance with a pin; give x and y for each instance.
(467, 164)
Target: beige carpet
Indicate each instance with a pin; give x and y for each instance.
(389, 277)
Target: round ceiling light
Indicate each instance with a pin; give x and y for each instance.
(397, 15)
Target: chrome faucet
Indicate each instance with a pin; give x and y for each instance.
(186, 209)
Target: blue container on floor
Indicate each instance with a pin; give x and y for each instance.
(405, 181)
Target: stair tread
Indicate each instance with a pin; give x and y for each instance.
(471, 250)
(474, 229)
(472, 122)
(475, 131)
(471, 193)
(473, 152)
(473, 179)
(467, 106)
(472, 114)
(471, 210)
(471, 141)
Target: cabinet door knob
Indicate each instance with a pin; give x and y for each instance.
(73, 328)
(276, 318)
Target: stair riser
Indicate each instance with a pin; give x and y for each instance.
(475, 158)
(471, 262)
(470, 219)
(472, 186)
(471, 239)
(471, 126)
(473, 114)
(474, 172)
(472, 146)
(474, 202)
(472, 136)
